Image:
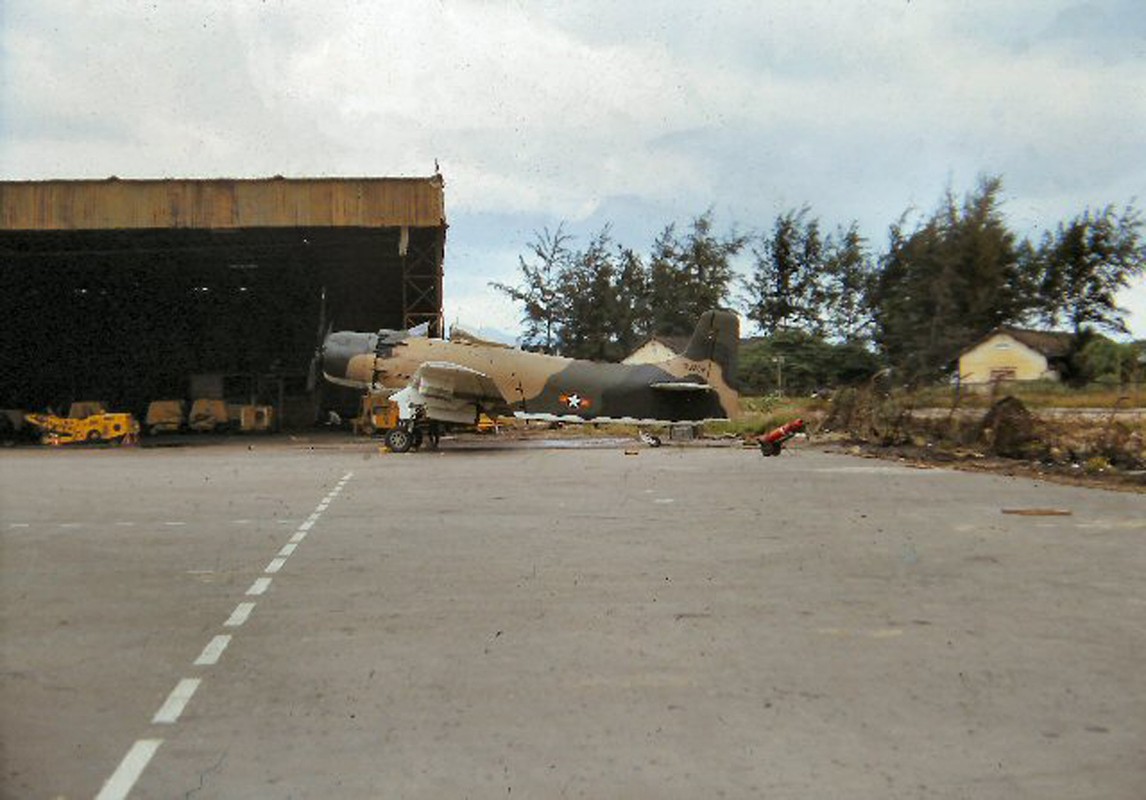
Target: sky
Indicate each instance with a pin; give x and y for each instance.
(635, 114)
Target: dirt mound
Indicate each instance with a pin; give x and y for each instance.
(1085, 446)
(1008, 429)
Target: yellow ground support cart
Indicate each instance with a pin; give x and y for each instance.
(208, 415)
(376, 415)
(164, 416)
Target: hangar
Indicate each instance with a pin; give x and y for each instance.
(129, 291)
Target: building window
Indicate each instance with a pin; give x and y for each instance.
(999, 374)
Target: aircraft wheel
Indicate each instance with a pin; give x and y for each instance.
(399, 440)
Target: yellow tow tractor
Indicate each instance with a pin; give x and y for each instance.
(85, 423)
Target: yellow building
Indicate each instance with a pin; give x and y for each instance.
(1013, 354)
(656, 349)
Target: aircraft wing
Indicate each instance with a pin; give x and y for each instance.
(450, 392)
(451, 381)
(681, 386)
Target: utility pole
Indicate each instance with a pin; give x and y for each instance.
(779, 362)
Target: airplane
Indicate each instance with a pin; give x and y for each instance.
(439, 383)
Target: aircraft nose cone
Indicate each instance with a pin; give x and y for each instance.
(340, 348)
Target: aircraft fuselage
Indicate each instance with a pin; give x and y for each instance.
(690, 387)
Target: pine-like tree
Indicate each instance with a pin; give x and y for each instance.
(540, 291)
(589, 286)
(691, 275)
(951, 280)
(1083, 266)
(848, 286)
(787, 289)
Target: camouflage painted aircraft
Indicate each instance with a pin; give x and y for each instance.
(438, 383)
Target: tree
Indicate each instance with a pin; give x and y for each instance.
(691, 275)
(588, 284)
(848, 286)
(540, 291)
(1108, 361)
(1084, 264)
(953, 279)
(804, 362)
(786, 289)
(633, 311)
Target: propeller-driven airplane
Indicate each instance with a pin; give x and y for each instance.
(439, 383)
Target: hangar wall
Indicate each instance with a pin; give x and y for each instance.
(121, 290)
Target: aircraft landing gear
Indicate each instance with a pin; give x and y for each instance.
(399, 440)
(404, 439)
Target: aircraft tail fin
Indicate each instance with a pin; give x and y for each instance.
(717, 339)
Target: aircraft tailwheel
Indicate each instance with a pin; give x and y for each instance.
(399, 440)
(770, 449)
(652, 440)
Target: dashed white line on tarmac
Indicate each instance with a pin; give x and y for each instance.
(240, 615)
(213, 651)
(121, 782)
(173, 707)
(119, 785)
(259, 586)
(174, 524)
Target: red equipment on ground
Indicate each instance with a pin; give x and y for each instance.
(772, 443)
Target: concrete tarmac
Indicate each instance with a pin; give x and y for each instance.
(289, 619)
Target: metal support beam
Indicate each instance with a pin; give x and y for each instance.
(422, 280)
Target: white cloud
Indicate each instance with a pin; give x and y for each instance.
(562, 110)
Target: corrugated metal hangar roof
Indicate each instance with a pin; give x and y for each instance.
(115, 204)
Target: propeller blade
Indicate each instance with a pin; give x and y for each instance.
(321, 316)
(323, 331)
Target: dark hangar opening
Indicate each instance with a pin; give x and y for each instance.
(130, 314)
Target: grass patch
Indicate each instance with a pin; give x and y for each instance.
(762, 414)
(1034, 394)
